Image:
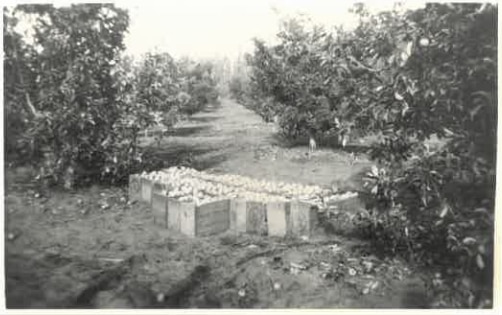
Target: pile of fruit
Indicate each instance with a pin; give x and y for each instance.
(187, 184)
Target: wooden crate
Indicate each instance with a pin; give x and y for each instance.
(175, 211)
(160, 209)
(273, 218)
(146, 190)
(212, 218)
(256, 218)
(296, 218)
(204, 220)
(238, 215)
(279, 218)
(303, 218)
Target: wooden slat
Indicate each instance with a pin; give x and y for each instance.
(256, 218)
(303, 218)
(159, 209)
(146, 190)
(238, 215)
(276, 218)
(213, 218)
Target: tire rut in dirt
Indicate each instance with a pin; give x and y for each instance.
(179, 297)
(105, 280)
(52, 280)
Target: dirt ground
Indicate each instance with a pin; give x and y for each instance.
(92, 248)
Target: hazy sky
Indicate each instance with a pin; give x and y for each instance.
(211, 28)
(217, 28)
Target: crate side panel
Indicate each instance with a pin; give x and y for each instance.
(238, 215)
(146, 190)
(276, 218)
(173, 214)
(187, 218)
(256, 218)
(159, 209)
(289, 221)
(213, 218)
(303, 217)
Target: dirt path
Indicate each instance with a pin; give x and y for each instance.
(93, 249)
(232, 139)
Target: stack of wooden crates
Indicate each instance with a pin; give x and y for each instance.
(293, 217)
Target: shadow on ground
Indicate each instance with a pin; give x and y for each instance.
(187, 131)
(204, 119)
(198, 157)
(328, 143)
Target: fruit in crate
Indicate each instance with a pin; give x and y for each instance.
(188, 184)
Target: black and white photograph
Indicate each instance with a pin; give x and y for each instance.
(250, 154)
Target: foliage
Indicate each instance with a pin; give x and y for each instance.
(295, 80)
(69, 85)
(157, 82)
(236, 87)
(137, 113)
(406, 76)
(74, 106)
(15, 117)
(197, 81)
(444, 199)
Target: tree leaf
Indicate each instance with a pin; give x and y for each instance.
(374, 170)
(480, 262)
(374, 190)
(469, 241)
(444, 211)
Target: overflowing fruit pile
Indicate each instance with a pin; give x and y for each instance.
(187, 184)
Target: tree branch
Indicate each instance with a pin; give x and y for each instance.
(29, 105)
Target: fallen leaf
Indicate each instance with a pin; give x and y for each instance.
(443, 212)
(297, 266)
(294, 271)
